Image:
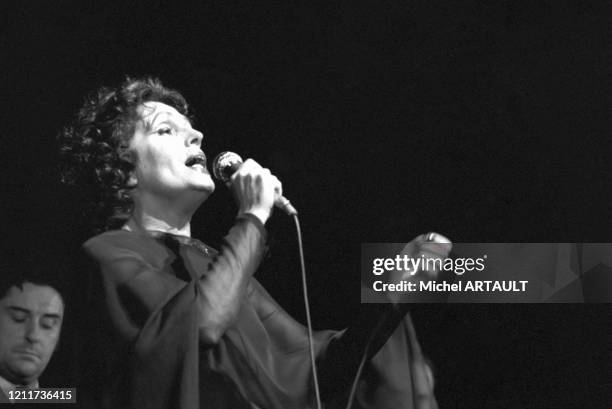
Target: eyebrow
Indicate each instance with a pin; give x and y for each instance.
(52, 315)
(16, 308)
(46, 314)
(157, 115)
(149, 123)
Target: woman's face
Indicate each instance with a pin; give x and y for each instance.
(169, 159)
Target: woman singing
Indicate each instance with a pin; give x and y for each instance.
(180, 325)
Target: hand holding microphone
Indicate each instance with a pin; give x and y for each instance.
(254, 187)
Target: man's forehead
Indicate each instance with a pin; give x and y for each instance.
(34, 297)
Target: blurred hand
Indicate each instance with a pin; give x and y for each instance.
(255, 189)
(429, 246)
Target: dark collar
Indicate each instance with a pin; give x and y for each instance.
(186, 241)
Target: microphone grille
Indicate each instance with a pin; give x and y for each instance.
(225, 164)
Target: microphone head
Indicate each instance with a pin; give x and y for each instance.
(225, 165)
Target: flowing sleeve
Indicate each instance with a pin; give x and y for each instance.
(160, 321)
(396, 375)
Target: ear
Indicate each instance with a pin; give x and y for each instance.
(128, 156)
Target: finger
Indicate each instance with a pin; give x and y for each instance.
(250, 166)
(432, 237)
(428, 255)
(437, 238)
(278, 186)
(439, 249)
(249, 163)
(434, 242)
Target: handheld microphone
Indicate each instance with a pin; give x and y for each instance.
(227, 163)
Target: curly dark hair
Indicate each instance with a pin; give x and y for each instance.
(94, 146)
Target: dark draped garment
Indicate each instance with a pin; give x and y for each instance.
(3, 397)
(147, 309)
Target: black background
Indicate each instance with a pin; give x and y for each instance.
(484, 121)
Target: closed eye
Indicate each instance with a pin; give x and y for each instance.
(19, 316)
(49, 322)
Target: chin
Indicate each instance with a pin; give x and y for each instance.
(206, 187)
(27, 371)
(205, 183)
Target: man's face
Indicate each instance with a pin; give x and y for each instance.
(169, 158)
(30, 324)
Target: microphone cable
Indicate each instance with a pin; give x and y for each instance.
(353, 390)
(309, 327)
(307, 308)
(224, 165)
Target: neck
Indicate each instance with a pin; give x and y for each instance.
(161, 215)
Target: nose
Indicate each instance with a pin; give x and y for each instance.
(195, 138)
(33, 332)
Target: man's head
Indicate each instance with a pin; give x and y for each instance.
(97, 146)
(31, 317)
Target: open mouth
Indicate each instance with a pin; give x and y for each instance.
(196, 161)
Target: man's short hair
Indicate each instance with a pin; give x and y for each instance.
(15, 273)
